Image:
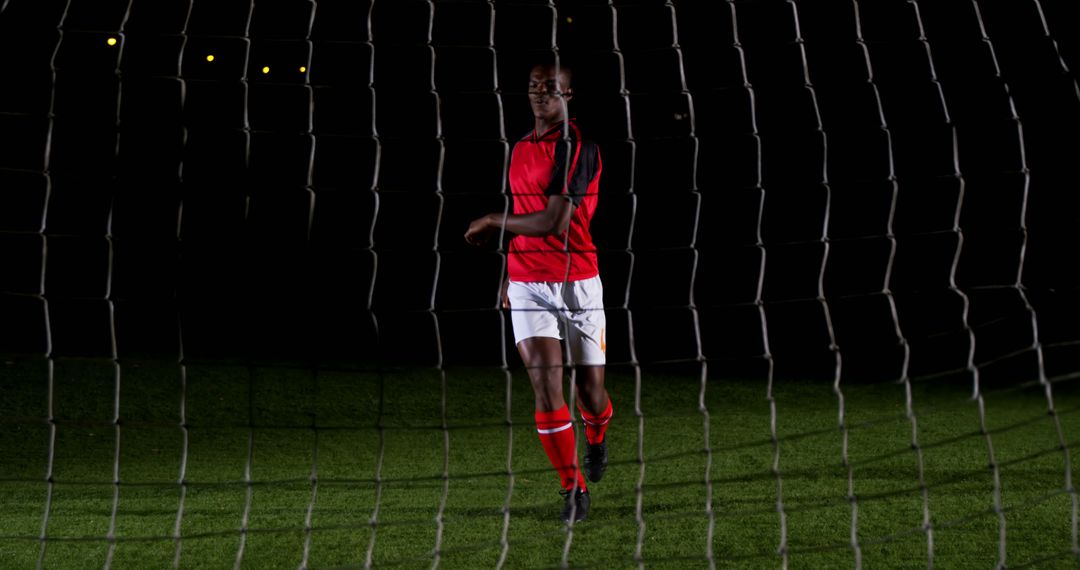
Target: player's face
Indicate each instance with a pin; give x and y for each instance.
(545, 92)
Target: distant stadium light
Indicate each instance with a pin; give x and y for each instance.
(266, 69)
(303, 69)
(210, 57)
(111, 41)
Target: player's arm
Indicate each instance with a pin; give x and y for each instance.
(551, 221)
(563, 195)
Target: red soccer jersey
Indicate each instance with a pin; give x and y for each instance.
(538, 170)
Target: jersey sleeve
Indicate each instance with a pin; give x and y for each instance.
(583, 159)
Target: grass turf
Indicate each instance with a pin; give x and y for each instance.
(377, 449)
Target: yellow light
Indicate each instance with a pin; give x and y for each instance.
(266, 69)
(569, 20)
(303, 69)
(210, 57)
(111, 41)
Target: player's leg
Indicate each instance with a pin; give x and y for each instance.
(591, 394)
(538, 334)
(543, 359)
(586, 332)
(594, 403)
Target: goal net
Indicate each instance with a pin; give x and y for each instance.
(239, 322)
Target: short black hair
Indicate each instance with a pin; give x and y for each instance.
(565, 66)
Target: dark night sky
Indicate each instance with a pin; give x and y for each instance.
(283, 214)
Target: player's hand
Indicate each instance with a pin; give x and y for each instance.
(503, 295)
(479, 231)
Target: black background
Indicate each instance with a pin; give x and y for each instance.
(156, 204)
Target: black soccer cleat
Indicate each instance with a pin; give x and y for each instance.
(595, 460)
(576, 505)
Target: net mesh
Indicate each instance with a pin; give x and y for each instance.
(782, 179)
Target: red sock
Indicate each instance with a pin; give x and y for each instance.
(557, 435)
(595, 426)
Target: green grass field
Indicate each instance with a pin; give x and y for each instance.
(347, 408)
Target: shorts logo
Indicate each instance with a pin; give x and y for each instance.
(603, 343)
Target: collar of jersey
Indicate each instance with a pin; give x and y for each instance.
(557, 126)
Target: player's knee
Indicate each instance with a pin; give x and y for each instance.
(590, 376)
(547, 385)
(549, 398)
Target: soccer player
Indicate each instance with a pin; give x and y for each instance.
(553, 287)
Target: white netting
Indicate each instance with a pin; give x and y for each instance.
(850, 193)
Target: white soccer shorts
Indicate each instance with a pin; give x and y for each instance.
(573, 311)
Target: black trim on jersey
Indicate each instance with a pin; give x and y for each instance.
(588, 163)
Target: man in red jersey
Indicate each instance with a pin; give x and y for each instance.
(553, 288)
